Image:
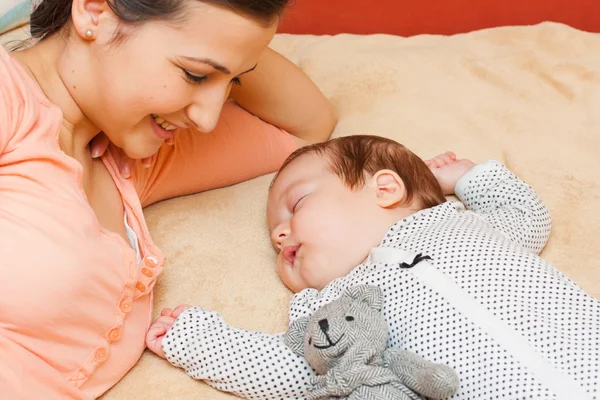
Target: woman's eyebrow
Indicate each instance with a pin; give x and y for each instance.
(215, 65)
(250, 70)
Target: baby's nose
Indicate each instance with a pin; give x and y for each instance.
(279, 235)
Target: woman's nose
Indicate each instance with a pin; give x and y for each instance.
(206, 110)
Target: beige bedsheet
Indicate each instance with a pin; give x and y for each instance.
(528, 96)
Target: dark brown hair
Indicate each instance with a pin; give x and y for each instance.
(353, 158)
(52, 15)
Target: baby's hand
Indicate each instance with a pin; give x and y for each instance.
(160, 327)
(448, 170)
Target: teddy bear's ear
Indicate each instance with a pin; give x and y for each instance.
(371, 295)
(294, 337)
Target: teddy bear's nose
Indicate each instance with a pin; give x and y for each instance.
(324, 325)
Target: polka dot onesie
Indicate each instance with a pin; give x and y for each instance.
(509, 323)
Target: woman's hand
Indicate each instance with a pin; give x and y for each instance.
(448, 170)
(99, 145)
(160, 327)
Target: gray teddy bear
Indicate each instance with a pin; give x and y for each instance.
(345, 342)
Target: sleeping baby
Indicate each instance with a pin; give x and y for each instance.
(462, 280)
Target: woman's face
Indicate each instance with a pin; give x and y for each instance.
(163, 75)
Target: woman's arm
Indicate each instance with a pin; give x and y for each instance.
(241, 147)
(278, 92)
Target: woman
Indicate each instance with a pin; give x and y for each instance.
(79, 264)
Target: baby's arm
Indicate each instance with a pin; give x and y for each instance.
(508, 203)
(252, 365)
(505, 201)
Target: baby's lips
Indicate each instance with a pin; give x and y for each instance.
(289, 253)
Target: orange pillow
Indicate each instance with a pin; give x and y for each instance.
(407, 18)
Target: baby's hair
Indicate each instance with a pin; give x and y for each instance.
(353, 158)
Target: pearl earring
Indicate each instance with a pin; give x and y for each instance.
(89, 34)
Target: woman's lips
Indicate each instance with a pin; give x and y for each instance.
(162, 133)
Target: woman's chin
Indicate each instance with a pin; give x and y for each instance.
(139, 153)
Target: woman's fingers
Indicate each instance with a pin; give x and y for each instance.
(125, 166)
(99, 144)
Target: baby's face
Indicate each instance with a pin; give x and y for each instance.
(321, 228)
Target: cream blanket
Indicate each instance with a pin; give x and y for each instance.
(527, 96)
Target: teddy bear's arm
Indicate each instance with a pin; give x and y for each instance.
(340, 383)
(437, 381)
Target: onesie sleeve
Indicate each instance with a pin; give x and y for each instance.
(251, 365)
(302, 304)
(241, 147)
(507, 203)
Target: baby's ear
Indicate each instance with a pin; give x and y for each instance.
(294, 337)
(369, 294)
(389, 187)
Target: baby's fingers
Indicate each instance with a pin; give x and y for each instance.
(164, 320)
(156, 331)
(177, 312)
(445, 159)
(451, 156)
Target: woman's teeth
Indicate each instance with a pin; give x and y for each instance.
(163, 124)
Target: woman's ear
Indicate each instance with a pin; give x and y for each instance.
(86, 17)
(389, 188)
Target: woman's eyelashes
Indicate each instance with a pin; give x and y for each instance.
(236, 81)
(197, 79)
(194, 78)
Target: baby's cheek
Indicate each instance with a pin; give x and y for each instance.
(280, 266)
(283, 270)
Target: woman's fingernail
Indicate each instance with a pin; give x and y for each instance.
(125, 170)
(95, 153)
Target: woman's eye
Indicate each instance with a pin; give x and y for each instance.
(194, 78)
(236, 81)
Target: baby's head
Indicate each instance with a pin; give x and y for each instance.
(332, 202)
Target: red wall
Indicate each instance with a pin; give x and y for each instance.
(411, 17)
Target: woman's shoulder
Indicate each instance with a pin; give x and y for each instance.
(10, 78)
(20, 100)
(16, 81)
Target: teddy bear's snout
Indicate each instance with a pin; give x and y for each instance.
(324, 325)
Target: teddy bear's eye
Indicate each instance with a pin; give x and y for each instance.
(309, 341)
(349, 318)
